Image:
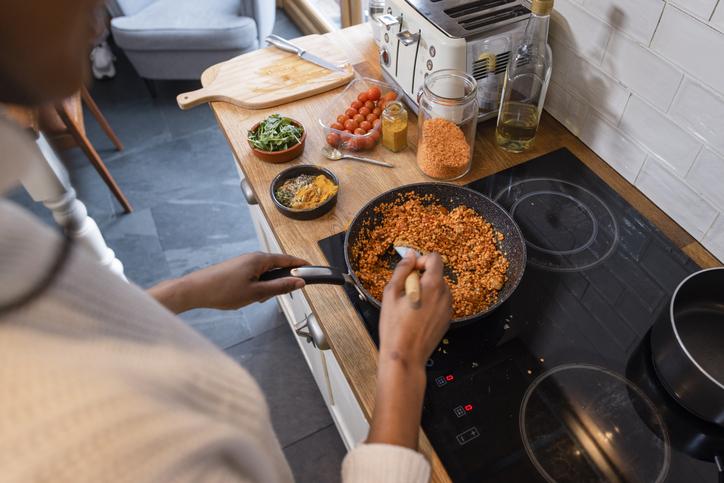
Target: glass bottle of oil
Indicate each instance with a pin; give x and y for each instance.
(526, 82)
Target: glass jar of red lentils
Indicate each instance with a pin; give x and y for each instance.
(447, 118)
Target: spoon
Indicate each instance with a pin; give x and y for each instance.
(335, 154)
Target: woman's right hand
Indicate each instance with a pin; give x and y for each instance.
(410, 333)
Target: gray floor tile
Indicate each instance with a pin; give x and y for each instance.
(219, 215)
(261, 317)
(184, 260)
(276, 362)
(223, 328)
(318, 457)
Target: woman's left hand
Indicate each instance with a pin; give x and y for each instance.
(229, 285)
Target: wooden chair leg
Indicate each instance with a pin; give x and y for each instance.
(88, 101)
(95, 159)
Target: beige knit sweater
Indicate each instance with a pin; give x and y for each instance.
(99, 383)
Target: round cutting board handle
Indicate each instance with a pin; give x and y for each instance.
(187, 100)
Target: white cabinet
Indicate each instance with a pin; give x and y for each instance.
(337, 394)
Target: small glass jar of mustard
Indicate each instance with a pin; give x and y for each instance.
(394, 127)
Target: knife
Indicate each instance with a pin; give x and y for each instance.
(286, 45)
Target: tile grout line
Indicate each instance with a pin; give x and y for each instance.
(308, 435)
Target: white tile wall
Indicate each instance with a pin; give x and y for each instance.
(642, 83)
(642, 71)
(701, 8)
(612, 144)
(679, 201)
(638, 18)
(700, 111)
(693, 45)
(661, 136)
(707, 177)
(717, 20)
(584, 33)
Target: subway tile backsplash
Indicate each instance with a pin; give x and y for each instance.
(641, 82)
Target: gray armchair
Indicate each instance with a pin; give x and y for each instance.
(178, 39)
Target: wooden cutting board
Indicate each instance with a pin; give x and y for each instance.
(270, 77)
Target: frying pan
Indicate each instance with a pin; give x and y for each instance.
(688, 345)
(448, 195)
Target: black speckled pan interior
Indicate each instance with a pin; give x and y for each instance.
(451, 196)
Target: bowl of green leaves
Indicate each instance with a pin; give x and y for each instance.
(277, 139)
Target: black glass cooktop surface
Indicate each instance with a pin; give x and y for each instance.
(557, 383)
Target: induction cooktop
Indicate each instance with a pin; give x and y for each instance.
(557, 384)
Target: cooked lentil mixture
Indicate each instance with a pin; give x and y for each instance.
(475, 267)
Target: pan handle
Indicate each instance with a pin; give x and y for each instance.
(310, 275)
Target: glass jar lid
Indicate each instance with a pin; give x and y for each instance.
(584, 423)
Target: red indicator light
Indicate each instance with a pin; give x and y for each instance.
(468, 407)
(449, 377)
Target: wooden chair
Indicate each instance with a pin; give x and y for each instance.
(64, 128)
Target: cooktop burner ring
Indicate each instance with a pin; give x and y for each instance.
(566, 227)
(581, 422)
(580, 248)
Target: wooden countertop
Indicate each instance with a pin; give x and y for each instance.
(345, 332)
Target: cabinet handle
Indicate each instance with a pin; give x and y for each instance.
(310, 330)
(248, 193)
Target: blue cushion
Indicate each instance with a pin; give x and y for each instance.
(186, 25)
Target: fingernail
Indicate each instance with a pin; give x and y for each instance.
(299, 283)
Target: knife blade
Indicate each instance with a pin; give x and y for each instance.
(288, 46)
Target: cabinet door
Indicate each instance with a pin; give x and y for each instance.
(346, 412)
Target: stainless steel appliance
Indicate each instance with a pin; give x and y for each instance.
(474, 36)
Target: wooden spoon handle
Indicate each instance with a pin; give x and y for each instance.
(412, 287)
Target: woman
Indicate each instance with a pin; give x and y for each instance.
(102, 383)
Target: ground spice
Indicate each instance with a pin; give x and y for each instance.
(443, 152)
(394, 127)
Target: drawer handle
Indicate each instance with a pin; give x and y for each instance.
(310, 330)
(248, 193)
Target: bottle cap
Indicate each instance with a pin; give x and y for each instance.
(542, 7)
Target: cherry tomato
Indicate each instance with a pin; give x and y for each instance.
(375, 134)
(364, 111)
(358, 118)
(370, 141)
(350, 125)
(360, 132)
(366, 125)
(355, 144)
(351, 112)
(337, 126)
(391, 96)
(382, 103)
(341, 119)
(348, 131)
(373, 93)
(376, 123)
(377, 111)
(333, 139)
(357, 104)
(370, 105)
(371, 117)
(363, 97)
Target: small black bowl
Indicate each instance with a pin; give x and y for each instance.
(293, 172)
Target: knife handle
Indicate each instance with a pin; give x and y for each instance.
(284, 44)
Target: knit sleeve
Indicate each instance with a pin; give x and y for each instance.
(384, 463)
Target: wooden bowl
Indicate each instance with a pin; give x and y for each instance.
(284, 156)
(293, 172)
